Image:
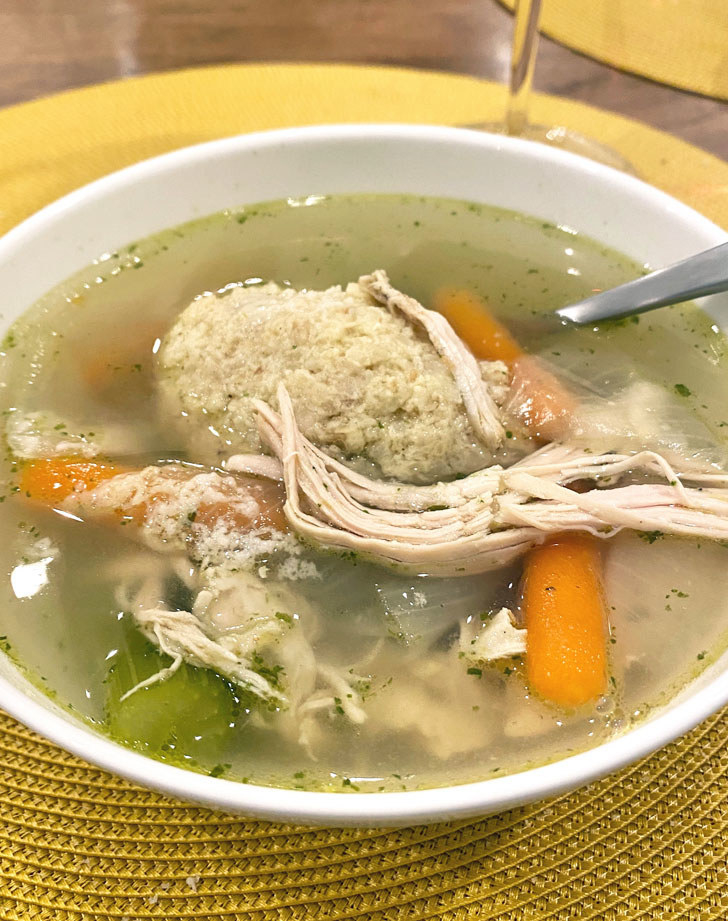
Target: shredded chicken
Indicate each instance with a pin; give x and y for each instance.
(46, 434)
(180, 635)
(497, 638)
(479, 404)
(430, 700)
(255, 465)
(487, 519)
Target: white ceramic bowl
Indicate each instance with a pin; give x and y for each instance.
(611, 207)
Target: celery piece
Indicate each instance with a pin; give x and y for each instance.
(190, 716)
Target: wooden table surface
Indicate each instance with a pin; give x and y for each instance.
(50, 45)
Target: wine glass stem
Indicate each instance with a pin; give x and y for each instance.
(523, 58)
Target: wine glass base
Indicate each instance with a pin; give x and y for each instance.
(565, 139)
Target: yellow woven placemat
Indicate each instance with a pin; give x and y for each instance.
(78, 844)
(683, 43)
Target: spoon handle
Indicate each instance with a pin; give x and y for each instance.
(697, 276)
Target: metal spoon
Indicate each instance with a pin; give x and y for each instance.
(697, 276)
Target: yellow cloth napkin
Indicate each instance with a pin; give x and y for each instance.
(77, 844)
(682, 43)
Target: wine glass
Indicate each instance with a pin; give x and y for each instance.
(523, 58)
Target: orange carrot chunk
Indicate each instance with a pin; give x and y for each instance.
(564, 611)
(50, 481)
(539, 400)
(108, 372)
(270, 498)
(54, 479)
(486, 337)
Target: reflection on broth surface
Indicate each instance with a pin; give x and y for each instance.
(379, 635)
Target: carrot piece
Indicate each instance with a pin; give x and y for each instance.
(486, 337)
(270, 498)
(50, 481)
(540, 401)
(55, 479)
(563, 605)
(100, 371)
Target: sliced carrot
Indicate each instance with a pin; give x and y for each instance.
(266, 513)
(486, 337)
(540, 401)
(565, 616)
(54, 479)
(109, 371)
(270, 498)
(50, 481)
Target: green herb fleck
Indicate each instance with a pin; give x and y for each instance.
(219, 770)
(651, 536)
(271, 673)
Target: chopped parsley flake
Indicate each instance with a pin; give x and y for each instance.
(651, 536)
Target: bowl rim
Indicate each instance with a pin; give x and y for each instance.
(351, 808)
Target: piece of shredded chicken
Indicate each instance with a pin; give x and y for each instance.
(46, 434)
(479, 405)
(486, 519)
(496, 638)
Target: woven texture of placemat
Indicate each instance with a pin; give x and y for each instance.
(78, 844)
(649, 842)
(682, 43)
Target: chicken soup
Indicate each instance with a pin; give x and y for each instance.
(318, 494)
